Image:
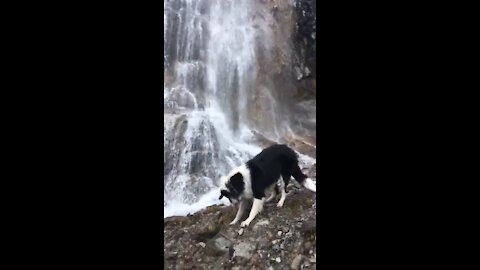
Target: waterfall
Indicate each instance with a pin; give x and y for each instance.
(211, 67)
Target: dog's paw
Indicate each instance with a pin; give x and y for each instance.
(233, 222)
(279, 204)
(245, 223)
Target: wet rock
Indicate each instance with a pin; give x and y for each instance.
(207, 231)
(175, 221)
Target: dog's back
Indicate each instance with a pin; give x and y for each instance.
(273, 162)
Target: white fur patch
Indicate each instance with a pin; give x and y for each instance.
(241, 209)
(310, 185)
(282, 199)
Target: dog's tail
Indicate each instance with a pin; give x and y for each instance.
(303, 179)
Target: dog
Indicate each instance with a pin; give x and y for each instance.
(274, 164)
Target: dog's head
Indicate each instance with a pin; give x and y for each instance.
(232, 187)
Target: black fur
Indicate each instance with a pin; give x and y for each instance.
(273, 162)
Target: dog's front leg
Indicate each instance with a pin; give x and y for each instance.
(256, 208)
(241, 209)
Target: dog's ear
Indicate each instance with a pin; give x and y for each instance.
(237, 182)
(222, 193)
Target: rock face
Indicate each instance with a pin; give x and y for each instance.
(232, 68)
(278, 238)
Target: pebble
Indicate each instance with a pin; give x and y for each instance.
(202, 244)
(240, 232)
(279, 233)
(278, 260)
(296, 262)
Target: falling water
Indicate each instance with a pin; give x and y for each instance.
(210, 66)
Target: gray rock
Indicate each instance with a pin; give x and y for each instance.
(309, 226)
(262, 222)
(296, 262)
(263, 243)
(244, 249)
(298, 73)
(217, 246)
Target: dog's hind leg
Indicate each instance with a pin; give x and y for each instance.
(275, 191)
(286, 180)
(283, 188)
(257, 207)
(303, 179)
(241, 209)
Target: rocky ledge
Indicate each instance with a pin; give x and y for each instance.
(278, 238)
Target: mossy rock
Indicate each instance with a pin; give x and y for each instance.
(210, 209)
(299, 203)
(207, 231)
(227, 216)
(176, 221)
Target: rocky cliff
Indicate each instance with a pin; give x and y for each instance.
(279, 238)
(239, 76)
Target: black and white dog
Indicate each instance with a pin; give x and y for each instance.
(276, 163)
